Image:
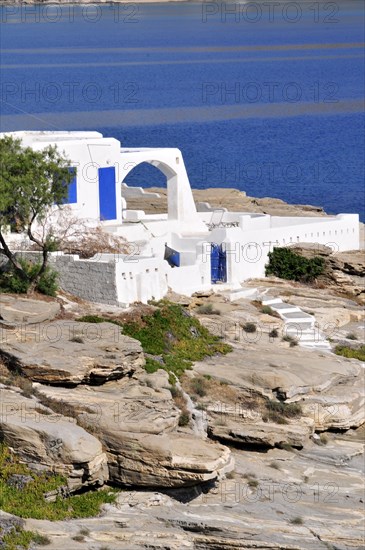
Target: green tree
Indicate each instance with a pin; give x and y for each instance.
(31, 182)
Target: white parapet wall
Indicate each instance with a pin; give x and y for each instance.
(247, 251)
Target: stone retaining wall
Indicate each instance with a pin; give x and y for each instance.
(94, 281)
(91, 280)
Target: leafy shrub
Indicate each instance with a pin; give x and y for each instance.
(175, 336)
(171, 334)
(184, 418)
(198, 386)
(77, 340)
(47, 284)
(279, 412)
(249, 327)
(208, 309)
(274, 333)
(269, 311)
(286, 264)
(351, 353)
(12, 281)
(297, 521)
(175, 392)
(292, 341)
(78, 538)
(41, 540)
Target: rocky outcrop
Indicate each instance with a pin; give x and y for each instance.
(138, 426)
(307, 500)
(329, 390)
(70, 352)
(8, 523)
(16, 311)
(51, 442)
(229, 198)
(260, 434)
(344, 271)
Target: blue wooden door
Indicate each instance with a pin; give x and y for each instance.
(107, 194)
(222, 264)
(218, 264)
(214, 262)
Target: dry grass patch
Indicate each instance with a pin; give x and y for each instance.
(210, 388)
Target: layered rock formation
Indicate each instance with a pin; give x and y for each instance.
(138, 425)
(328, 389)
(51, 442)
(94, 374)
(229, 198)
(277, 500)
(69, 353)
(307, 499)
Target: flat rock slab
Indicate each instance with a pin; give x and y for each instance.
(16, 311)
(70, 352)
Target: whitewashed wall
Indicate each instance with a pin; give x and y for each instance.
(247, 252)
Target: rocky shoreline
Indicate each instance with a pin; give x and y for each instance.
(261, 447)
(279, 466)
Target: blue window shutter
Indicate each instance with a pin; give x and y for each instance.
(107, 194)
(72, 188)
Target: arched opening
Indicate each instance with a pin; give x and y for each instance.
(180, 201)
(145, 175)
(174, 190)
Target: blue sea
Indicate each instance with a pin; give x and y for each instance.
(266, 97)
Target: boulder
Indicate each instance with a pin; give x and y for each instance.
(70, 352)
(51, 442)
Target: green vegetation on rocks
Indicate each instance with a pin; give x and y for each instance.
(351, 353)
(279, 412)
(19, 539)
(11, 281)
(171, 338)
(22, 493)
(286, 264)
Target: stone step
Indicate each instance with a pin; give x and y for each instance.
(298, 324)
(303, 325)
(298, 317)
(270, 301)
(242, 293)
(308, 337)
(284, 308)
(322, 345)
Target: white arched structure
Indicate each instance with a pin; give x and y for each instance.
(180, 201)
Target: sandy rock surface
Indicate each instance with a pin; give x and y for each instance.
(70, 352)
(17, 311)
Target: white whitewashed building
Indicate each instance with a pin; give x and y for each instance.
(183, 249)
